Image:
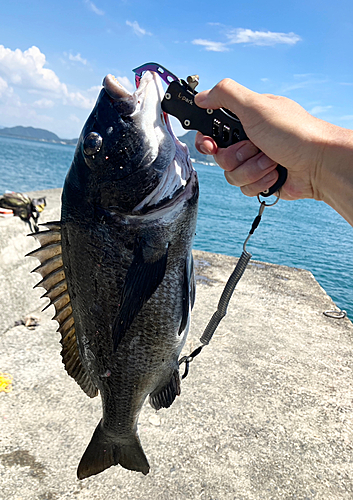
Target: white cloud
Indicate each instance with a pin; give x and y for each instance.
(317, 110)
(4, 88)
(33, 95)
(300, 76)
(94, 91)
(310, 82)
(126, 83)
(78, 100)
(44, 103)
(26, 70)
(211, 46)
(249, 37)
(137, 28)
(94, 8)
(242, 35)
(77, 58)
(75, 119)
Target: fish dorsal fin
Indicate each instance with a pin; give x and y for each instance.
(54, 281)
(163, 398)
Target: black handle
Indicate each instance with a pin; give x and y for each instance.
(220, 124)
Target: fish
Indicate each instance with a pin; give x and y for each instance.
(118, 266)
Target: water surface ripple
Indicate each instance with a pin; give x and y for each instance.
(305, 234)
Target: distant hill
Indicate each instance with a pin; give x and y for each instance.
(36, 134)
(40, 134)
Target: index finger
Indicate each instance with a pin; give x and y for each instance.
(227, 93)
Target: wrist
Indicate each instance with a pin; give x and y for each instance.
(333, 179)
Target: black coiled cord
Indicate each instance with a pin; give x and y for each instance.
(226, 294)
(225, 297)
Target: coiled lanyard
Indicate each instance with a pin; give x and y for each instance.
(228, 290)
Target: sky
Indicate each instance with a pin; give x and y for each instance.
(54, 55)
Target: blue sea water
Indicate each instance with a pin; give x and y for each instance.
(305, 234)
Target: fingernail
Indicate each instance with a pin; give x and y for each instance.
(246, 151)
(204, 150)
(270, 178)
(265, 162)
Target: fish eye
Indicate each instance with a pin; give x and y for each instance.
(92, 143)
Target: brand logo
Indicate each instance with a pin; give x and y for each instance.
(186, 99)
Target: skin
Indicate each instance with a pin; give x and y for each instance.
(317, 154)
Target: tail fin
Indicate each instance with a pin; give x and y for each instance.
(102, 453)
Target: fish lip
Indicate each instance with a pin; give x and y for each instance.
(115, 89)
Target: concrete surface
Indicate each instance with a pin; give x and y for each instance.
(17, 297)
(266, 411)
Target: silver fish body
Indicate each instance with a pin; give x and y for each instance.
(122, 277)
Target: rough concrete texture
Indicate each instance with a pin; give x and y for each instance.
(265, 412)
(17, 297)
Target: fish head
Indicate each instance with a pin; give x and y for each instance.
(125, 148)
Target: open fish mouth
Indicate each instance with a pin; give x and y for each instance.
(144, 105)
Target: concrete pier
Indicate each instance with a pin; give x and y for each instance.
(266, 411)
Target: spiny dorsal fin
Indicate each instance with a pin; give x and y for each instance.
(53, 280)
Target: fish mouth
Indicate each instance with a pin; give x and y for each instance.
(146, 106)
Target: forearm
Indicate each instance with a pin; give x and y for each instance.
(335, 171)
(317, 154)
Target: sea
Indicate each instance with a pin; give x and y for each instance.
(303, 234)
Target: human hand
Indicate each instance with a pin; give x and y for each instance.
(284, 132)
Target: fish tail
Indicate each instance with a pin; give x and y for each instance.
(102, 453)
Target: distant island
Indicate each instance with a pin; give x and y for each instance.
(35, 134)
(42, 135)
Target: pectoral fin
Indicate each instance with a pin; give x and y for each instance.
(145, 274)
(188, 292)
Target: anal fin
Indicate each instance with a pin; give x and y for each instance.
(163, 398)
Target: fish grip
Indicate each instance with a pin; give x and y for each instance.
(227, 293)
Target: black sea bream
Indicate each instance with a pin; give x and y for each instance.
(118, 266)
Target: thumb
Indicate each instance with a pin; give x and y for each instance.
(227, 94)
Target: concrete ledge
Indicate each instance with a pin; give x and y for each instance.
(265, 413)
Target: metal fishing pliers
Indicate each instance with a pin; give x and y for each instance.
(220, 124)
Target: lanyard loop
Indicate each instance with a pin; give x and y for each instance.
(228, 290)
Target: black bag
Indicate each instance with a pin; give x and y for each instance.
(24, 207)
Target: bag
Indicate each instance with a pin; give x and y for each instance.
(24, 207)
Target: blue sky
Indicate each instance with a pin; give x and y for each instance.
(54, 55)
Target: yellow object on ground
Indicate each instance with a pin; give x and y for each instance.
(5, 382)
